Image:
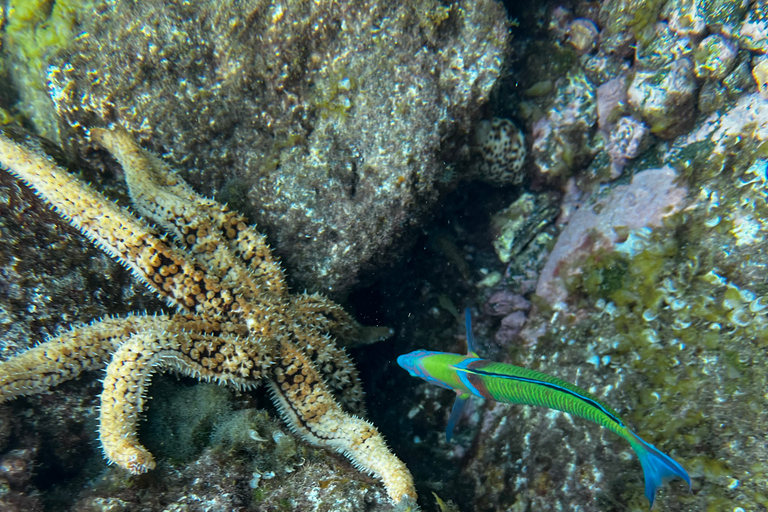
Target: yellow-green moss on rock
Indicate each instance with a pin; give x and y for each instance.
(34, 31)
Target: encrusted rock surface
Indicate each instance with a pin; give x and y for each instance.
(651, 196)
(327, 123)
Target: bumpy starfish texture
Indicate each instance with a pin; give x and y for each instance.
(236, 323)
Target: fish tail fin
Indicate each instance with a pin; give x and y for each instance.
(658, 467)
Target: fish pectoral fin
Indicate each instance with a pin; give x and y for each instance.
(470, 336)
(458, 409)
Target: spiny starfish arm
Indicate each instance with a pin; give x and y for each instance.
(82, 348)
(333, 364)
(224, 359)
(200, 225)
(183, 281)
(328, 316)
(311, 411)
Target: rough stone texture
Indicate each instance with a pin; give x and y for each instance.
(561, 139)
(626, 140)
(326, 122)
(208, 461)
(744, 123)
(665, 99)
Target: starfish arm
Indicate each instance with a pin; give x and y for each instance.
(333, 365)
(237, 315)
(202, 226)
(82, 348)
(330, 317)
(204, 357)
(165, 269)
(311, 411)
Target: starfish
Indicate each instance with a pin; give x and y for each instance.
(236, 323)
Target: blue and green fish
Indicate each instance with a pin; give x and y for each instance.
(469, 375)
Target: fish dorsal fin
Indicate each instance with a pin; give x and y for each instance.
(470, 337)
(458, 408)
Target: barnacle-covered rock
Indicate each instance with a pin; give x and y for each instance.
(499, 152)
(561, 139)
(760, 74)
(714, 57)
(666, 98)
(626, 140)
(298, 113)
(686, 17)
(515, 226)
(754, 30)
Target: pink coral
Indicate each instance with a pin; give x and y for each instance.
(651, 196)
(611, 102)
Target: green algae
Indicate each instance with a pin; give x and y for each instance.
(34, 31)
(635, 16)
(691, 332)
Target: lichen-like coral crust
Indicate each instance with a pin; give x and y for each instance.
(325, 122)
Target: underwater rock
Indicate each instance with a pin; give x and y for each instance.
(665, 99)
(662, 49)
(17, 467)
(626, 140)
(519, 223)
(510, 327)
(611, 102)
(624, 21)
(686, 17)
(754, 30)
(651, 196)
(720, 94)
(327, 123)
(744, 124)
(504, 302)
(582, 34)
(760, 74)
(561, 139)
(714, 57)
(33, 31)
(725, 16)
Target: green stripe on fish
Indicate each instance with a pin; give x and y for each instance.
(470, 375)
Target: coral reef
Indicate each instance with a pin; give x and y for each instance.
(661, 311)
(656, 304)
(297, 114)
